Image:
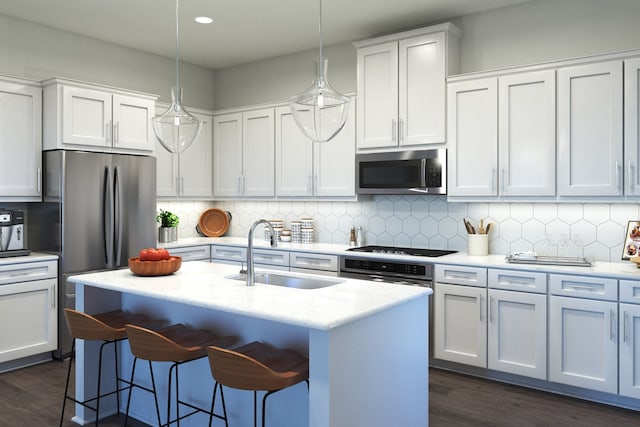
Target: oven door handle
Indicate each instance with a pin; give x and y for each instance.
(423, 173)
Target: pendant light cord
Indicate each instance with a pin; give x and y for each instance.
(320, 27)
(177, 51)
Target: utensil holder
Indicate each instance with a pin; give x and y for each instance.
(478, 244)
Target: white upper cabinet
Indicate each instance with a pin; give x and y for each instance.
(631, 126)
(473, 138)
(190, 174)
(590, 125)
(498, 128)
(401, 87)
(244, 154)
(20, 140)
(321, 169)
(79, 116)
(527, 134)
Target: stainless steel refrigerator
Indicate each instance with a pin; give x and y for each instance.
(98, 210)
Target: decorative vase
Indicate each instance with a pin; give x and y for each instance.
(173, 233)
(164, 234)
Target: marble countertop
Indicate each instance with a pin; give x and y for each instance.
(32, 257)
(617, 270)
(205, 285)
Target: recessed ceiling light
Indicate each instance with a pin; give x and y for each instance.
(204, 20)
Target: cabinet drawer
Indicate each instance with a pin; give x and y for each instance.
(268, 257)
(192, 253)
(518, 281)
(314, 261)
(584, 287)
(229, 253)
(28, 271)
(630, 291)
(461, 275)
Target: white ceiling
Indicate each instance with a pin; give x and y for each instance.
(243, 30)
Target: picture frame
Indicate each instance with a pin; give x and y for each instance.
(631, 247)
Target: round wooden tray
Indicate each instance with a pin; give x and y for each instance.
(155, 268)
(213, 222)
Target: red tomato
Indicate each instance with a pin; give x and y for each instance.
(153, 255)
(164, 254)
(144, 255)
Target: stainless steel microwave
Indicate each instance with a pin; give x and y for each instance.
(402, 172)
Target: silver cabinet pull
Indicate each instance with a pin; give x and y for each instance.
(618, 175)
(481, 311)
(625, 331)
(393, 130)
(400, 131)
(632, 179)
(612, 332)
(492, 308)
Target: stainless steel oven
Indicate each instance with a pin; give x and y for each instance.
(416, 272)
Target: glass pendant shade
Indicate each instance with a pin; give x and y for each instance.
(176, 128)
(320, 111)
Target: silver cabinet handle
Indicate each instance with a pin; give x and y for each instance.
(116, 133)
(618, 174)
(393, 130)
(492, 308)
(625, 332)
(182, 185)
(401, 131)
(612, 332)
(502, 180)
(494, 178)
(632, 178)
(38, 180)
(107, 131)
(481, 311)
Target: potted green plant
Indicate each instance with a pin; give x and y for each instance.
(168, 230)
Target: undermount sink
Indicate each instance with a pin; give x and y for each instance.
(289, 281)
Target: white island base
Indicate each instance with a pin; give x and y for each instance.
(367, 344)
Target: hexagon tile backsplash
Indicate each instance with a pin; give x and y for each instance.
(593, 230)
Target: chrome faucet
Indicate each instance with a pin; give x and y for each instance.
(251, 274)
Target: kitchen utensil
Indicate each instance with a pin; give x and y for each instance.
(481, 229)
(214, 222)
(468, 226)
(489, 226)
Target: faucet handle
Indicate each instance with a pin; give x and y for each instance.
(242, 269)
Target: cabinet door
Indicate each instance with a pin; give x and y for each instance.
(294, 156)
(334, 163)
(132, 128)
(473, 138)
(28, 319)
(632, 126)
(20, 141)
(527, 134)
(421, 81)
(258, 171)
(227, 154)
(583, 346)
(630, 350)
(517, 333)
(460, 324)
(196, 164)
(377, 101)
(168, 172)
(86, 117)
(590, 130)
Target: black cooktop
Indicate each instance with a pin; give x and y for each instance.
(392, 250)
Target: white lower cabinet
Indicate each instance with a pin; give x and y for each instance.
(518, 333)
(192, 253)
(583, 337)
(28, 309)
(460, 314)
(629, 333)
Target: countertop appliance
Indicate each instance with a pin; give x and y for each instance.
(416, 272)
(98, 210)
(12, 233)
(402, 172)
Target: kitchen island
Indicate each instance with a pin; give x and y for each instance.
(367, 343)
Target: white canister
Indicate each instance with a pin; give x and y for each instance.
(478, 244)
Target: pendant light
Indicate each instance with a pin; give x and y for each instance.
(176, 128)
(320, 111)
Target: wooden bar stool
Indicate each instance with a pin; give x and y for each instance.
(177, 344)
(107, 327)
(258, 367)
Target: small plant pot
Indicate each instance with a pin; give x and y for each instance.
(164, 234)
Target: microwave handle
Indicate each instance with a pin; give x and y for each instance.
(423, 173)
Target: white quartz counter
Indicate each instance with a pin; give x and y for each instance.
(32, 257)
(204, 284)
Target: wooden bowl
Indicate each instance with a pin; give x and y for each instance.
(155, 268)
(636, 260)
(214, 222)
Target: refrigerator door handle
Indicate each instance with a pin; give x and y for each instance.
(107, 217)
(118, 215)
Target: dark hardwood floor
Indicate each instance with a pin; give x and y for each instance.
(32, 397)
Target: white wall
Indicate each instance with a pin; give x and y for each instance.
(536, 31)
(37, 52)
